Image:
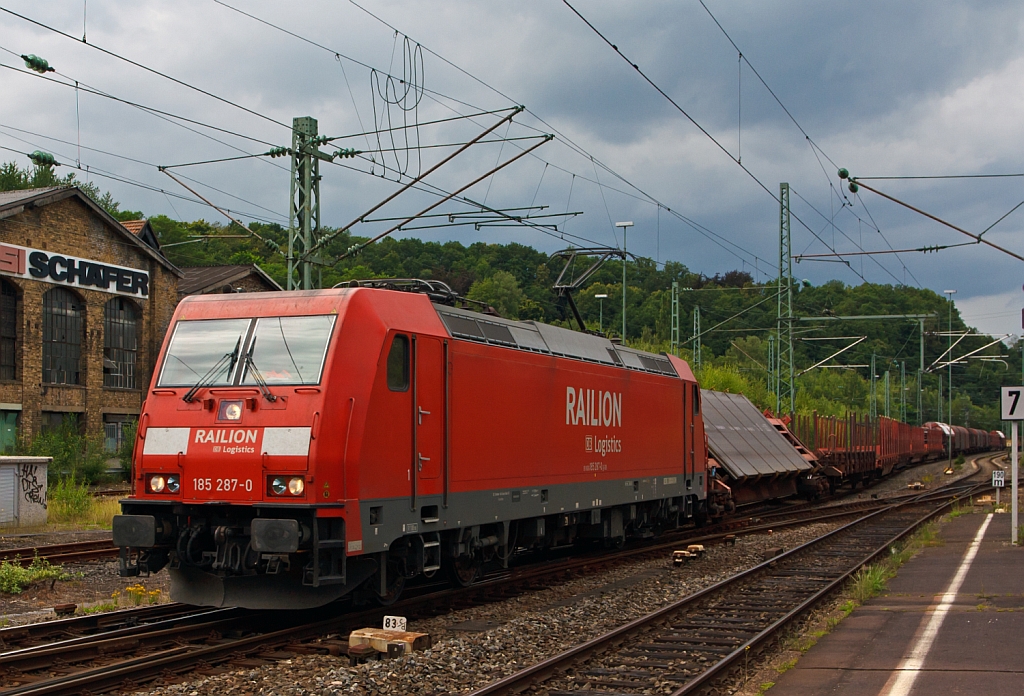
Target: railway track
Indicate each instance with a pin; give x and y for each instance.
(125, 649)
(685, 647)
(161, 642)
(131, 647)
(73, 552)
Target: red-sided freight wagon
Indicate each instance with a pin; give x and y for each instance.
(295, 447)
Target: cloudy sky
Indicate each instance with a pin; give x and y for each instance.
(881, 88)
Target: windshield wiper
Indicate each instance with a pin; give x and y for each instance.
(257, 376)
(213, 371)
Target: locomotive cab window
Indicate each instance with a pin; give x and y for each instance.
(398, 364)
(221, 352)
(288, 350)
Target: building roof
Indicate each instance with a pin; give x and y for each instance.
(134, 226)
(201, 279)
(144, 231)
(14, 202)
(13, 197)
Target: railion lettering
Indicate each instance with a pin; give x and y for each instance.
(593, 407)
(225, 436)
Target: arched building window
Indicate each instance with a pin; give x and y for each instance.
(120, 343)
(63, 324)
(8, 330)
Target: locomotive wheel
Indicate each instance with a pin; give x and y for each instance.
(463, 571)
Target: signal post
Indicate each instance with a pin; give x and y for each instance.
(1011, 404)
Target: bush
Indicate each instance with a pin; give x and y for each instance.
(67, 501)
(14, 578)
(124, 452)
(74, 455)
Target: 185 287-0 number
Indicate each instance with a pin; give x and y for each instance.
(225, 485)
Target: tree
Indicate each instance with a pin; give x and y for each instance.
(500, 291)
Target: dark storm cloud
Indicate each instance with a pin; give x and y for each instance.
(883, 88)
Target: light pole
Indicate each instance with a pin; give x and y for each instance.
(600, 317)
(624, 226)
(949, 360)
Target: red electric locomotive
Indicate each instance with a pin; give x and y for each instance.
(295, 447)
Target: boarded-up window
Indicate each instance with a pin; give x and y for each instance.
(120, 343)
(63, 324)
(8, 330)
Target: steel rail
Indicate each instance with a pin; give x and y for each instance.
(181, 659)
(61, 553)
(536, 674)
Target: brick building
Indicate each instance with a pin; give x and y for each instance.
(85, 302)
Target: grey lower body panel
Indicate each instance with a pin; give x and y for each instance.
(385, 520)
(283, 591)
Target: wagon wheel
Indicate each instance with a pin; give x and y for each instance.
(463, 571)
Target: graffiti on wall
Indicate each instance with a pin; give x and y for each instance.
(32, 488)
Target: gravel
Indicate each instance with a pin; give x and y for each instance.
(525, 629)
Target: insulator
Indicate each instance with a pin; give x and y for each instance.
(844, 173)
(346, 152)
(854, 187)
(36, 63)
(278, 151)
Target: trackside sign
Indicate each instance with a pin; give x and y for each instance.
(36, 264)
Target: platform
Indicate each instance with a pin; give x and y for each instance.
(895, 645)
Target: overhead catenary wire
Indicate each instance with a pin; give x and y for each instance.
(640, 194)
(131, 159)
(692, 120)
(94, 171)
(157, 112)
(145, 67)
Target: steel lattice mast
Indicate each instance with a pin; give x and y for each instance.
(675, 318)
(304, 211)
(785, 396)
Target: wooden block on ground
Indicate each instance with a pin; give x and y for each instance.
(379, 639)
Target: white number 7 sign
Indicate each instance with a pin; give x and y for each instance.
(1011, 404)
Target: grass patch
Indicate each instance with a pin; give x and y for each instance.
(72, 504)
(870, 581)
(764, 687)
(787, 665)
(957, 511)
(67, 501)
(14, 578)
(99, 608)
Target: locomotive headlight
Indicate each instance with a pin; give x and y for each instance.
(157, 484)
(230, 410)
(279, 486)
(173, 484)
(296, 485)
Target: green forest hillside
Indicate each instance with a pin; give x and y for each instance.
(737, 316)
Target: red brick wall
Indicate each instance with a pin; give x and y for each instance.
(71, 227)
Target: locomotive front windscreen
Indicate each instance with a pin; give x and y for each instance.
(222, 352)
(289, 350)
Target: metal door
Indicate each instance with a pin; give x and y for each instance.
(8, 496)
(428, 414)
(8, 430)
